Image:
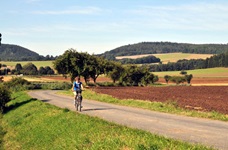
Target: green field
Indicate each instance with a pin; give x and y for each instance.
(210, 72)
(32, 124)
(38, 64)
(170, 57)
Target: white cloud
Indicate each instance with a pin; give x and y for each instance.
(198, 16)
(76, 10)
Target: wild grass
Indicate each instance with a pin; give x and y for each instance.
(168, 107)
(32, 124)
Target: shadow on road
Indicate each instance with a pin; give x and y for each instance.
(94, 109)
(46, 100)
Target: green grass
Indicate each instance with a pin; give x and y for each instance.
(32, 124)
(168, 107)
(38, 64)
(210, 72)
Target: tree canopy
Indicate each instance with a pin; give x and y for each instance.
(88, 66)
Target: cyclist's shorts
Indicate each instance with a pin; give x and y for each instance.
(77, 91)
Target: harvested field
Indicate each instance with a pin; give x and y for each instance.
(203, 98)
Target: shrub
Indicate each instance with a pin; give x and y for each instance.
(4, 97)
(178, 79)
(17, 84)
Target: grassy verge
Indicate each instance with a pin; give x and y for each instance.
(169, 107)
(32, 124)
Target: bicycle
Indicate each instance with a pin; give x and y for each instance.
(78, 101)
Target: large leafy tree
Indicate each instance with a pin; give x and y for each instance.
(74, 64)
(133, 75)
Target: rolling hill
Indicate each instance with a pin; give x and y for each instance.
(9, 52)
(164, 47)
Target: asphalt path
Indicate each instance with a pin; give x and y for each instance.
(194, 130)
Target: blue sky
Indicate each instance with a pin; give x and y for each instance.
(95, 26)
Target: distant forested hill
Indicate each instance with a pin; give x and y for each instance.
(165, 47)
(9, 52)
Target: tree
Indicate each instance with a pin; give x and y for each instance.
(188, 78)
(42, 71)
(167, 78)
(183, 72)
(29, 69)
(80, 64)
(116, 72)
(49, 70)
(133, 75)
(18, 68)
(148, 78)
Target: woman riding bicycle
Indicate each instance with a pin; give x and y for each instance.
(77, 87)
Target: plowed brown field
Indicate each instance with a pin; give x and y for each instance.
(203, 98)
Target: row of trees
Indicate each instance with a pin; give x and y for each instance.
(179, 79)
(28, 69)
(220, 60)
(143, 60)
(88, 66)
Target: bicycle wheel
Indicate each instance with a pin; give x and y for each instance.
(76, 103)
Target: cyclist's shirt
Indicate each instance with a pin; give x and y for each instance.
(77, 85)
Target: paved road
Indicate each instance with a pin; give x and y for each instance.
(194, 130)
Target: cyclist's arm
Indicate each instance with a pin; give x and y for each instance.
(82, 87)
(72, 88)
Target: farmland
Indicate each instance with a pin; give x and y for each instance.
(169, 57)
(36, 63)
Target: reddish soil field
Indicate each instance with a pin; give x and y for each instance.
(203, 98)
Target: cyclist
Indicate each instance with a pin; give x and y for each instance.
(77, 87)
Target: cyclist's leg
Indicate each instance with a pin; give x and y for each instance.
(81, 97)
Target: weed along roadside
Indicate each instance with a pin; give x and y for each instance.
(32, 124)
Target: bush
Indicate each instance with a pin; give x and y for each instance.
(178, 79)
(17, 84)
(4, 97)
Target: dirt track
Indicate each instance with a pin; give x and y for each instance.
(203, 98)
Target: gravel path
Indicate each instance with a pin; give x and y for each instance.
(194, 130)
